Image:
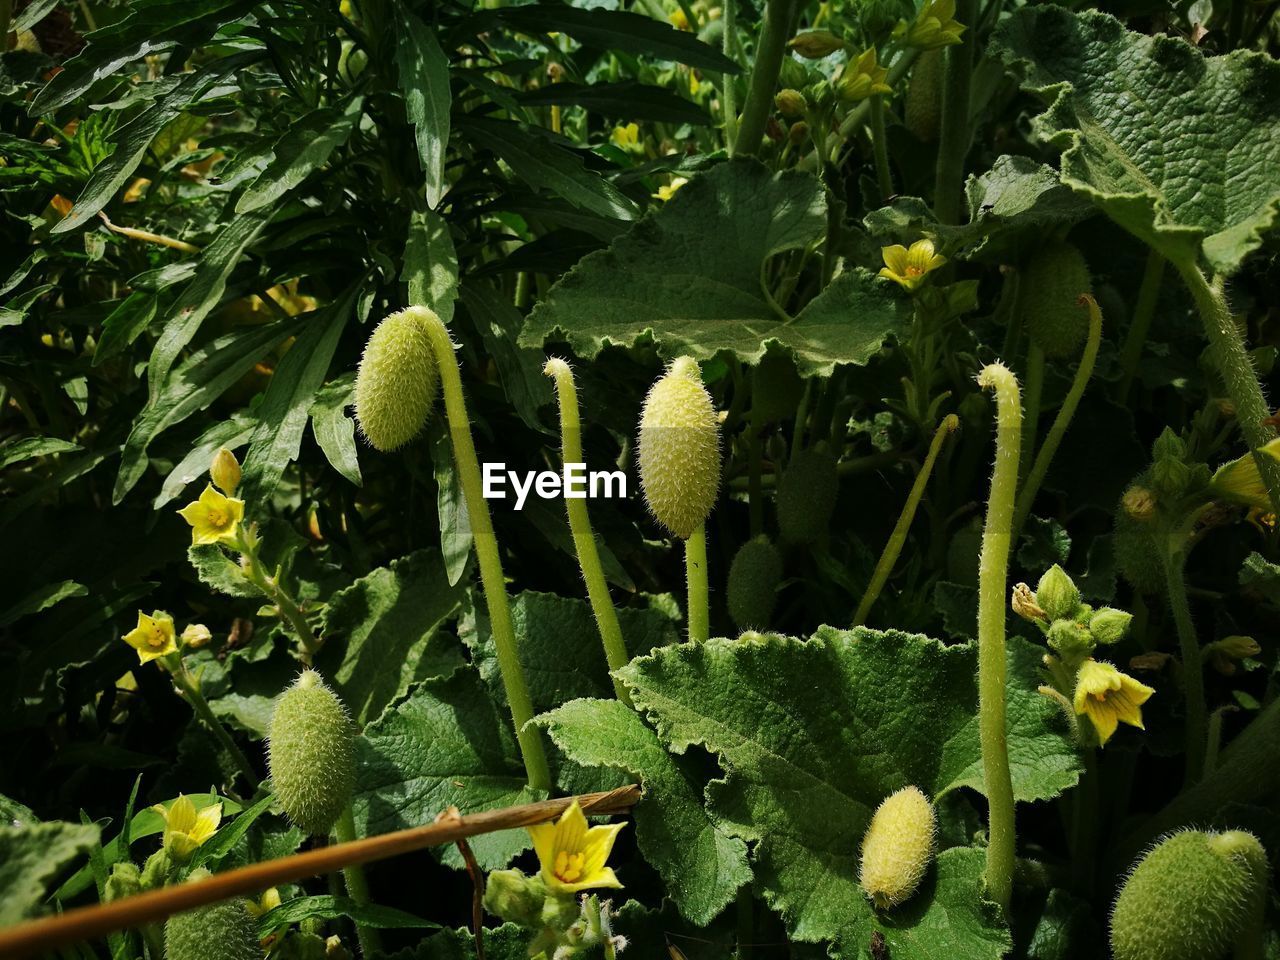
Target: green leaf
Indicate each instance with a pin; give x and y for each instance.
(303, 149)
(32, 14)
(229, 834)
(31, 857)
(702, 865)
(133, 139)
(219, 572)
(451, 505)
(814, 734)
(1119, 101)
(545, 165)
(519, 368)
(447, 744)
(616, 30)
(42, 599)
(286, 406)
(1260, 577)
(151, 26)
(326, 907)
(622, 101)
(689, 275)
(200, 380)
(431, 264)
(125, 324)
(423, 70)
(232, 434)
(383, 633)
(334, 430)
(21, 449)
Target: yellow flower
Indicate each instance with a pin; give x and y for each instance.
(572, 854)
(679, 20)
(1108, 697)
(153, 637)
(1240, 482)
(934, 27)
(264, 904)
(667, 191)
(213, 518)
(863, 78)
(185, 829)
(908, 267)
(628, 137)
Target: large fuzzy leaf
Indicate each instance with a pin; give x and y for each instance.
(32, 855)
(689, 275)
(1180, 149)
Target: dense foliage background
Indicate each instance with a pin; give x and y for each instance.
(208, 205)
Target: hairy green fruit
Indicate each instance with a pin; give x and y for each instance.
(898, 847)
(312, 754)
(1052, 286)
(753, 583)
(923, 108)
(680, 449)
(398, 380)
(807, 497)
(1189, 897)
(219, 931)
(1138, 556)
(776, 389)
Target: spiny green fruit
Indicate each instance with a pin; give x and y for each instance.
(807, 496)
(775, 389)
(1052, 284)
(680, 449)
(312, 754)
(1188, 897)
(398, 380)
(898, 847)
(923, 108)
(753, 583)
(219, 931)
(1138, 556)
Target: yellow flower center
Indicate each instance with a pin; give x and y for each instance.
(156, 637)
(568, 868)
(914, 271)
(218, 517)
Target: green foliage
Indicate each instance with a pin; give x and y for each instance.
(32, 855)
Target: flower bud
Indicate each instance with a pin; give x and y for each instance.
(807, 497)
(1171, 478)
(195, 636)
(156, 871)
(219, 931)
(815, 44)
(753, 583)
(1224, 653)
(1054, 281)
(1072, 642)
(124, 881)
(515, 898)
(1110, 625)
(1057, 594)
(397, 382)
(225, 471)
(790, 103)
(1139, 503)
(898, 847)
(798, 133)
(1024, 604)
(311, 754)
(1168, 446)
(1188, 897)
(680, 449)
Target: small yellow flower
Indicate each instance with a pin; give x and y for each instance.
(863, 78)
(1240, 481)
(264, 904)
(153, 637)
(185, 829)
(214, 518)
(667, 191)
(572, 854)
(628, 137)
(934, 27)
(909, 267)
(1108, 697)
(679, 20)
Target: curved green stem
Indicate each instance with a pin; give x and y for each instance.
(1192, 669)
(695, 568)
(1044, 456)
(993, 575)
(880, 148)
(1144, 310)
(1233, 361)
(200, 706)
(278, 594)
(898, 538)
(584, 541)
(357, 884)
(764, 76)
(955, 136)
(486, 544)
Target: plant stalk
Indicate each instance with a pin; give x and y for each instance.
(993, 575)
(1192, 668)
(486, 545)
(276, 592)
(695, 568)
(955, 136)
(584, 541)
(1144, 310)
(880, 148)
(357, 884)
(728, 82)
(764, 76)
(200, 706)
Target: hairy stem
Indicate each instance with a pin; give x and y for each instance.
(357, 884)
(200, 706)
(993, 575)
(1044, 456)
(584, 541)
(1144, 310)
(764, 76)
(954, 138)
(1175, 559)
(1236, 367)
(486, 544)
(880, 148)
(728, 88)
(279, 594)
(898, 538)
(695, 568)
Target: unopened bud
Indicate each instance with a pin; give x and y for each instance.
(514, 897)
(1110, 625)
(1057, 595)
(1072, 642)
(195, 636)
(125, 880)
(1139, 504)
(798, 133)
(815, 44)
(225, 472)
(790, 103)
(1025, 606)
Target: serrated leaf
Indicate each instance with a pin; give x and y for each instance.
(814, 734)
(31, 857)
(423, 70)
(447, 744)
(334, 429)
(689, 275)
(1118, 103)
(382, 633)
(701, 865)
